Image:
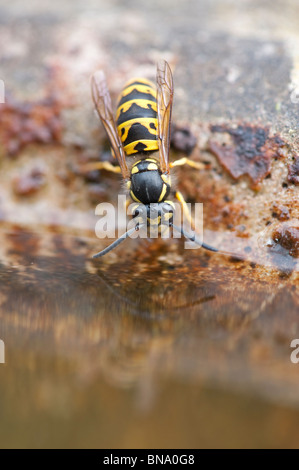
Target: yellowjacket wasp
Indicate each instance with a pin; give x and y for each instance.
(142, 128)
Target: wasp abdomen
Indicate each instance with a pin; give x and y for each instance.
(136, 117)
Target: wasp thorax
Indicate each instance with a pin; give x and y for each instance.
(148, 185)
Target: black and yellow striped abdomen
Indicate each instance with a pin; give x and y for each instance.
(136, 117)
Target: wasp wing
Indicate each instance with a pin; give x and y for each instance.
(164, 108)
(102, 101)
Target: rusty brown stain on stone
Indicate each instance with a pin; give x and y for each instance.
(182, 139)
(286, 236)
(227, 215)
(250, 152)
(29, 182)
(293, 175)
(280, 212)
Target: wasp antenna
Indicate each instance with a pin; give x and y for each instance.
(117, 242)
(194, 239)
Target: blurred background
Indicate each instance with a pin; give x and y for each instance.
(152, 346)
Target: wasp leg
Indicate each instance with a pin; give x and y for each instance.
(187, 161)
(100, 166)
(185, 208)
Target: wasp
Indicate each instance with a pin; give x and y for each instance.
(140, 139)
